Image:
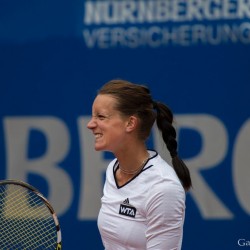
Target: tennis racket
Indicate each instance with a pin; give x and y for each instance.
(27, 220)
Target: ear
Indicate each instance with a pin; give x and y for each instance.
(131, 123)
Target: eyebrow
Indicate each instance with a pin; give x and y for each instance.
(101, 114)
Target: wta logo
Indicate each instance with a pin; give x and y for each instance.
(127, 210)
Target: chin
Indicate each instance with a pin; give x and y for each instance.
(102, 148)
(99, 148)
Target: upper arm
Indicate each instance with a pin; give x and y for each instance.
(165, 216)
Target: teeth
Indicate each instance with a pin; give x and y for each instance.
(97, 136)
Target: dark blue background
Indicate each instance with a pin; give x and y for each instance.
(46, 69)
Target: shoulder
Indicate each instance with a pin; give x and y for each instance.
(111, 167)
(160, 173)
(163, 184)
(166, 198)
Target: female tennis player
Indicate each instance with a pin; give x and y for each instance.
(143, 203)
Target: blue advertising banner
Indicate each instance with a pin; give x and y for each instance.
(193, 55)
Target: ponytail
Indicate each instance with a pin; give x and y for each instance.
(164, 122)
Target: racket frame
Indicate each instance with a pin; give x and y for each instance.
(49, 206)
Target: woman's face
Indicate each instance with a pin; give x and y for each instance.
(107, 124)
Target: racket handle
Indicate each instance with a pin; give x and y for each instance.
(59, 246)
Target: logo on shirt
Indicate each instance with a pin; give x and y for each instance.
(127, 209)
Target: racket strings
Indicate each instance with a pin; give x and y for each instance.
(22, 225)
(26, 222)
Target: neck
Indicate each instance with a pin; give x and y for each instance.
(133, 171)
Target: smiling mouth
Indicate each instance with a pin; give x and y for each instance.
(97, 136)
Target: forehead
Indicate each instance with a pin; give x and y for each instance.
(104, 103)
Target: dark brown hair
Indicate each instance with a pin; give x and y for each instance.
(135, 99)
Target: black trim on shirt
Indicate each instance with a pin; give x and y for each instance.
(116, 167)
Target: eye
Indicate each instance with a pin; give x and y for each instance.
(99, 117)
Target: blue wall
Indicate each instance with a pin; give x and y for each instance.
(54, 55)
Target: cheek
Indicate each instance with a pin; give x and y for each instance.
(113, 132)
(117, 135)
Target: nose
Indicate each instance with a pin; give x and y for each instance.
(91, 124)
